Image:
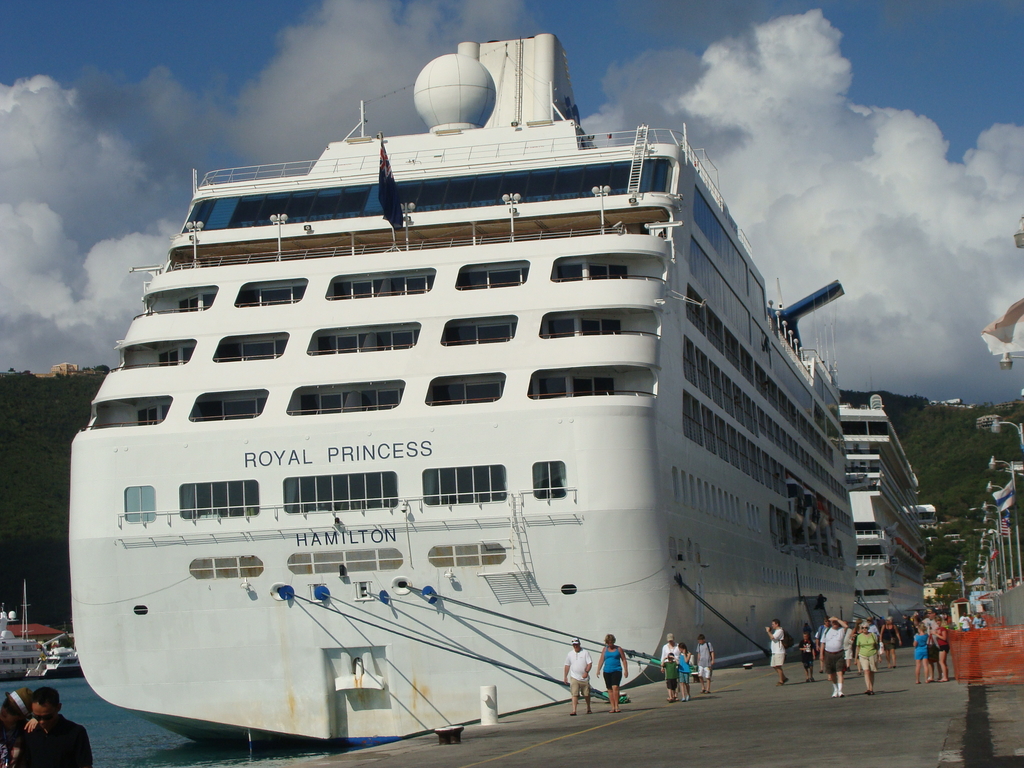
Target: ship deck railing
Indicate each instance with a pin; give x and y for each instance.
(432, 156)
(356, 249)
(339, 512)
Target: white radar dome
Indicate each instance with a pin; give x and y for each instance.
(454, 91)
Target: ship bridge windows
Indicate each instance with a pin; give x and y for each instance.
(479, 330)
(270, 293)
(158, 353)
(466, 555)
(381, 284)
(538, 185)
(131, 412)
(341, 493)
(227, 406)
(336, 341)
(181, 300)
(233, 498)
(479, 276)
(458, 390)
(583, 382)
(606, 322)
(258, 347)
(464, 485)
(346, 398)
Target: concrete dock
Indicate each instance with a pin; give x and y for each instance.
(747, 720)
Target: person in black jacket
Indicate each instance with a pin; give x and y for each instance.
(56, 742)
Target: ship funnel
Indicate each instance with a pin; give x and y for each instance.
(876, 402)
(792, 314)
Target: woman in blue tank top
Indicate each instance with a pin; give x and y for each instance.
(613, 662)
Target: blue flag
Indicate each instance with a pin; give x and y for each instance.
(387, 192)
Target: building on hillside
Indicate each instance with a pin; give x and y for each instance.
(887, 517)
(926, 517)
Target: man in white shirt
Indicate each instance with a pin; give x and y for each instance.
(965, 623)
(832, 650)
(776, 633)
(577, 674)
(670, 646)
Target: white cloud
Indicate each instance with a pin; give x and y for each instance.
(351, 50)
(827, 189)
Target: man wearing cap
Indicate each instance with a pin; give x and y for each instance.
(15, 710)
(57, 742)
(577, 674)
(670, 646)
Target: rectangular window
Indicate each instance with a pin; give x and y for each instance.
(484, 330)
(139, 504)
(352, 560)
(549, 480)
(268, 294)
(234, 498)
(464, 485)
(382, 284)
(341, 493)
(366, 339)
(492, 276)
(484, 389)
(226, 406)
(234, 349)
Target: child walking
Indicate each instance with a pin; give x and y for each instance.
(671, 677)
(685, 672)
(807, 654)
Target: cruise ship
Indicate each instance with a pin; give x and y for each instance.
(350, 470)
(886, 515)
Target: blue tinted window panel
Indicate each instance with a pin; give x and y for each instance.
(221, 214)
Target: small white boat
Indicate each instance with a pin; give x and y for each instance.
(17, 654)
(58, 662)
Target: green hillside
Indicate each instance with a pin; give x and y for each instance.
(38, 420)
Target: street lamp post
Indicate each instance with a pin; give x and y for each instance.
(1012, 468)
(280, 219)
(511, 200)
(195, 227)
(601, 193)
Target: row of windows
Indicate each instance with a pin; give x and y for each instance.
(343, 493)
(349, 561)
(539, 185)
(702, 426)
(795, 529)
(380, 284)
(374, 396)
(396, 336)
(717, 502)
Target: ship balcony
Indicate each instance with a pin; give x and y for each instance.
(873, 533)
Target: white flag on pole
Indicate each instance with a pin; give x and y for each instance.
(1007, 333)
(1004, 497)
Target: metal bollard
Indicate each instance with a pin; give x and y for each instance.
(488, 705)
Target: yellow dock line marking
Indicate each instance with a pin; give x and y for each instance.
(617, 721)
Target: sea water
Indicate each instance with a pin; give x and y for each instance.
(121, 739)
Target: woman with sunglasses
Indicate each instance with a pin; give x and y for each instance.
(14, 712)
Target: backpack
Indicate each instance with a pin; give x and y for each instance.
(787, 640)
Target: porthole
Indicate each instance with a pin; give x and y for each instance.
(141, 610)
(568, 589)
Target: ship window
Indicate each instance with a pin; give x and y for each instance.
(477, 276)
(267, 294)
(466, 555)
(341, 493)
(226, 406)
(181, 300)
(464, 485)
(555, 326)
(139, 504)
(240, 567)
(158, 353)
(479, 330)
(234, 498)
(569, 270)
(381, 284)
(549, 480)
(333, 341)
(385, 559)
(583, 382)
(346, 398)
(237, 348)
(485, 388)
(133, 412)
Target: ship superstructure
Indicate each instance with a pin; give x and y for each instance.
(886, 513)
(556, 393)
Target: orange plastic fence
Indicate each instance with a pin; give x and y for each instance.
(991, 656)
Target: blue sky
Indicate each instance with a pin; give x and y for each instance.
(105, 107)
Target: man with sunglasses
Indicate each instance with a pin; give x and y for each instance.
(57, 742)
(14, 711)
